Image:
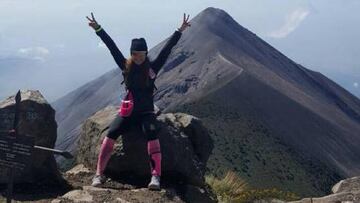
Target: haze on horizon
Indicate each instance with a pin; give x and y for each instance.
(48, 46)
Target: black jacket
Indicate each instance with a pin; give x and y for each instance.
(143, 98)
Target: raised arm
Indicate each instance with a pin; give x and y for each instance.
(114, 50)
(166, 50)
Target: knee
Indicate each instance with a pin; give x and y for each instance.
(108, 142)
(151, 130)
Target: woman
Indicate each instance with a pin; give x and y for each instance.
(138, 106)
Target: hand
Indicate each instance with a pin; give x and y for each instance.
(185, 23)
(92, 22)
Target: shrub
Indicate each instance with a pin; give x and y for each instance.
(230, 186)
(233, 189)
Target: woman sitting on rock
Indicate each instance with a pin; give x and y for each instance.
(137, 108)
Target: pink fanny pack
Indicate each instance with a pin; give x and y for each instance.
(127, 105)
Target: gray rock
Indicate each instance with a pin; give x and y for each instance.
(191, 127)
(185, 146)
(334, 198)
(197, 194)
(37, 119)
(269, 201)
(347, 185)
(113, 191)
(347, 190)
(78, 169)
(78, 196)
(93, 194)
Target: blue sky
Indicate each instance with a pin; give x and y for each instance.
(51, 48)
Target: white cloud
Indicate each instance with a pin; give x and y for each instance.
(37, 53)
(34, 50)
(292, 21)
(356, 85)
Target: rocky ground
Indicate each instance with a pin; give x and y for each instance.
(186, 148)
(345, 191)
(78, 189)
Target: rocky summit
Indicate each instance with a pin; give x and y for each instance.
(186, 146)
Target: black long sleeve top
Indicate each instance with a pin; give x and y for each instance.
(143, 98)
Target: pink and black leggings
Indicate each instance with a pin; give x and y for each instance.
(150, 127)
(147, 122)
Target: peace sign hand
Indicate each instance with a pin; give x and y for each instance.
(185, 23)
(92, 22)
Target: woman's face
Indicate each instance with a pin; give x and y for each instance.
(138, 57)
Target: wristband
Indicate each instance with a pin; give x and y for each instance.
(98, 29)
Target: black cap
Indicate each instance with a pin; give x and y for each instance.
(138, 44)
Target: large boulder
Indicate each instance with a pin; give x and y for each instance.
(347, 185)
(37, 119)
(185, 145)
(347, 190)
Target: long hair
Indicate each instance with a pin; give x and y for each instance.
(143, 81)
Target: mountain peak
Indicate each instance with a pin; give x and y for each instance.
(218, 22)
(211, 14)
(214, 11)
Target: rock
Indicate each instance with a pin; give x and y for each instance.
(192, 127)
(269, 201)
(347, 185)
(37, 119)
(97, 189)
(77, 170)
(347, 190)
(78, 196)
(91, 194)
(197, 194)
(111, 191)
(334, 198)
(121, 200)
(185, 146)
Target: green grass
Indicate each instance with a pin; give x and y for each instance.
(232, 188)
